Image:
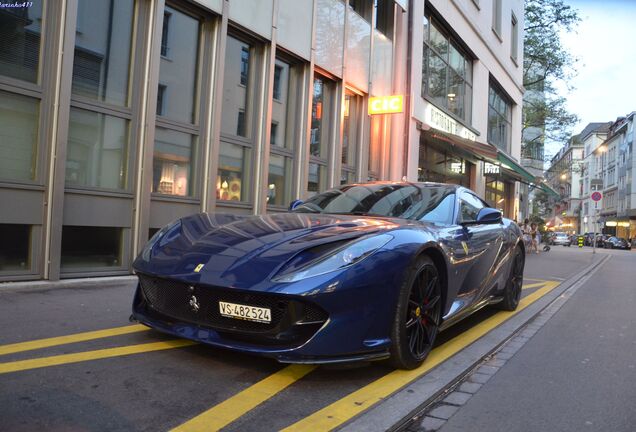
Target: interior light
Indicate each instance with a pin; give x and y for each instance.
(224, 185)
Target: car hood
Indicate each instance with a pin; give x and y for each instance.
(245, 251)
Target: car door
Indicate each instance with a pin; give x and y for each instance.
(482, 246)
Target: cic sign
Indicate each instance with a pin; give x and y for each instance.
(386, 104)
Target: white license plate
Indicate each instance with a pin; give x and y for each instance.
(244, 312)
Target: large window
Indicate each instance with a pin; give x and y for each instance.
(20, 52)
(103, 250)
(442, 166)
(384, 17)
(447, 71)
(321, 111)
(98, 136)
(287, 79)
(177, 133)
(237, 141)
(18, 136)
(14, 248)
(499, 118)
(351, 137)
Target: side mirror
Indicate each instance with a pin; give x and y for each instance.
(294, 204)
(489, 215)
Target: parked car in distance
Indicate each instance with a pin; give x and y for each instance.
(561, 238)
(600, 240)
(616, 243)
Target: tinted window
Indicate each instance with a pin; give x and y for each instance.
(469, 206)
(407, 201)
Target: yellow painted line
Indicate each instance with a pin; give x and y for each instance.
(21, 365)
(355, 403)
(63, 340)
(536, 280)
(534, 285)
(231, 409)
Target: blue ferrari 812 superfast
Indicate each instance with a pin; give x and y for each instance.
(361, 272)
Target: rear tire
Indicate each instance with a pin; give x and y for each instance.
(418, 315)
(512, 292)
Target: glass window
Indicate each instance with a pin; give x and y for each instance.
(178, 74)
(233, 180)
(350, 138)
(278, 71)
(20, 41)
(173, 170)
(97, 150)
(317, 178)
(279, 180)
(499, 118)
(363, 8)
(18, 136)
(101, 62)
(320, 110)
(161, 98)
(446, 72)
(442, 167)
(469, 207)
(384, 17)
(514, 40)
(164, 32)
(417, 202)
(15, 247)
(235, 118)
(496, 16)
(86, 247)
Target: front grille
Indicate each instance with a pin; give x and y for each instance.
(291, 319)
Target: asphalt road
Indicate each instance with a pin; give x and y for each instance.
(132, 379)
(577, 373)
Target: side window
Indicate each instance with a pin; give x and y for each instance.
(469, 207)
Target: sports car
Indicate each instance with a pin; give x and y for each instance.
(361, 272)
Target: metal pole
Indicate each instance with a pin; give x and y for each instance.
(595, 222)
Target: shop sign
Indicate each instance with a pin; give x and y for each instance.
(490, 168)
(386, 104)
(440, 120)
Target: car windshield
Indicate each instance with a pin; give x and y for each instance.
(431, 203)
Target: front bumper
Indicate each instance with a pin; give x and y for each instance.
(319, 328)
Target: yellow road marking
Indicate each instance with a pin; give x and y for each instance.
(231, 409)
(534, 285)
(21, 365)
(346, 408)
(63, 340)
(536, 280)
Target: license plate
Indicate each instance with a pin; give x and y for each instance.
(244, 312)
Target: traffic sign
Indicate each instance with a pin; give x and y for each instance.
(596, 196)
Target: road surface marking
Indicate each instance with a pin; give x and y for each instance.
(534, 285)
(535, 280)
(364, 398)
(231, 409)
(63, 340)
(22, 365)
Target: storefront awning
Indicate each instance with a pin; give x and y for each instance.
(517, 170)
(547, 189)
(480, 150)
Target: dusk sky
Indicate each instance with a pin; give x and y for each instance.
(605, 87)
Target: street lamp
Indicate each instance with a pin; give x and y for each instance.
(563, 176)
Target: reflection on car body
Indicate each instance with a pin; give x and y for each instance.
(361, 272)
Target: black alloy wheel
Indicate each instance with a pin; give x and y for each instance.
(418, 316)
(512, 292)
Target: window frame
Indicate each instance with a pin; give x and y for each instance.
(501, 93)
(432, 20)
(326, 130)
(124, 112)
(195, 128)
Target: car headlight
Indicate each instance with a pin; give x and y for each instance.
(161, 237)
(339, 259)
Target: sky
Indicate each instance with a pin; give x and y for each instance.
(605, 43)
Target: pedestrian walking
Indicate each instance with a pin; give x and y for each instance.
(534, 238)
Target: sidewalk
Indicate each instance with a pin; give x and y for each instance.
(577, 373)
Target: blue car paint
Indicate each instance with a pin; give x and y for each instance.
(245, 253)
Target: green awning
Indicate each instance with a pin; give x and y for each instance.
(547, 189)
(512, 165)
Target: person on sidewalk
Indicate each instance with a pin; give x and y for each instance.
(534, 238)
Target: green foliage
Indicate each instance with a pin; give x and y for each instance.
(546, 62)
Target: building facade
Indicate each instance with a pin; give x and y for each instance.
(592, 138)
(465, 112)
(162, 109)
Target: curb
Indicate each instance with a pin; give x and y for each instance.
(80, 283)
(396, 411)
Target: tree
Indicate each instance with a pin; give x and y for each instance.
(546, 62)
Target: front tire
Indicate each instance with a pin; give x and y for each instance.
(418, 315)
(512, 292)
